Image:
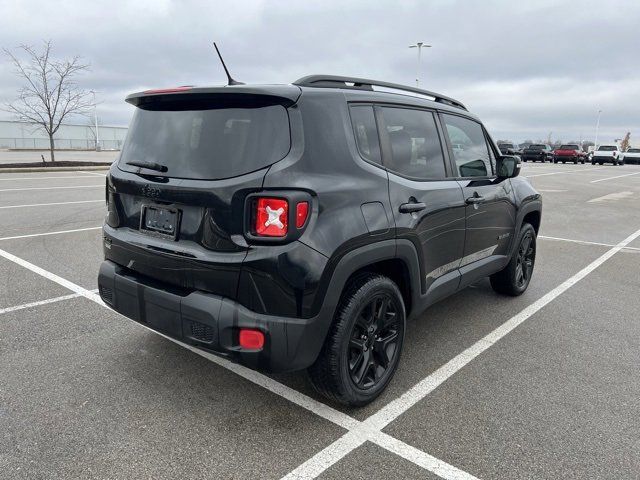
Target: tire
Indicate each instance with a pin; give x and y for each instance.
(582, 162)
(515, 277)
(575, 162)
(564, 161)
(593, 163)
(354, 340)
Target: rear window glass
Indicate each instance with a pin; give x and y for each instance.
(536, 147)
(569, 147)
(207, 144)
(366, 132)
(634, 150)
(607, 148)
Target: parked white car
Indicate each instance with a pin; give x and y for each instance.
(631, 156)
(609, 153)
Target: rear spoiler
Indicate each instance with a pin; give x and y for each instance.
(185, 98)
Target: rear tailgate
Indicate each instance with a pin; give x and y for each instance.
(182, 224)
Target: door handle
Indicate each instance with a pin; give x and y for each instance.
(475, 199)
(412, 207)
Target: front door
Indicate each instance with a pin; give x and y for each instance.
(428, 204)
(490, 204)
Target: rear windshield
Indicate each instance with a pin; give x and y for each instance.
(536, 147)
(504, 146)
(634, 150)
(569, 147)
(607, 148)
(207, 144)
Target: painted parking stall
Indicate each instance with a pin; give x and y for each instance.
(148, 406)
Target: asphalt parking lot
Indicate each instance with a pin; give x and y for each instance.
(546, 385)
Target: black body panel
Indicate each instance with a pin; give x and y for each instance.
(211, 276)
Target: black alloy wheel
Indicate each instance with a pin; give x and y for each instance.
(363, 347)
(524, 261)
(515, 277)
(373, 343)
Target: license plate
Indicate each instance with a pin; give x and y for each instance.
(160, 220)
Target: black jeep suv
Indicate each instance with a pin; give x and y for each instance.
(299, 226)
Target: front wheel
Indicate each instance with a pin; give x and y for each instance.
(363, 346)
(515, 277)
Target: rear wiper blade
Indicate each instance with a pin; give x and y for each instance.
(150, 165)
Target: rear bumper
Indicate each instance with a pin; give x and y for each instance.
(568, 158)
(212, 322)
(604, 159)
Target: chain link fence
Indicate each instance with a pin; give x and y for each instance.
(60, 144)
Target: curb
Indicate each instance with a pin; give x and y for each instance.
(51, 169)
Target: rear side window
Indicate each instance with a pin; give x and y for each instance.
(470, 149)
(210, 143)
(416, 150)
(366, 132)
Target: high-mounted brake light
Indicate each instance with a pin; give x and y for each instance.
(168, 90)
(302, 211)
(272, 217)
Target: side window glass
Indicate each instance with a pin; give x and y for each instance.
(470, 149)
(416, 150)
(492, 156)
(366, 132)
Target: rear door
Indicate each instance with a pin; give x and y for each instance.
(428, 207)
(490, 202)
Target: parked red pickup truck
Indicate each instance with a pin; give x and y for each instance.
(569, 153)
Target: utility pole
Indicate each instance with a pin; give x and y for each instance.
(595, 146)
(419, 46)
(95, 119)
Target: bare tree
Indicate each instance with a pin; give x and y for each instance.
(50, 93)
(624, 145)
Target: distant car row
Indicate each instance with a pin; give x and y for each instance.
(609, 153)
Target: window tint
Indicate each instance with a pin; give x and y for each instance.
(207, 144)
(364, 128)
(470, 149)
(415, 145)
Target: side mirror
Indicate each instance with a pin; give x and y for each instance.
(508, 166)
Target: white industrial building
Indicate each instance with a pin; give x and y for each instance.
(22, 135)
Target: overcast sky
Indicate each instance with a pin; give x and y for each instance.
(527, 68)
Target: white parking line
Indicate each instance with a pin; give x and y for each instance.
(43, 178)
(92, 173)
(390, 412)
(567, 172)
(583, 242)
(370, 429)
(40, 302)
(341, 419)
(49, 204)
(617, 176)
(50, 233)
(611, 197)
(49, 188)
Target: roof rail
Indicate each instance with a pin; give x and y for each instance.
(335, 81)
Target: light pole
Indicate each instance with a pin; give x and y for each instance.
(95, 119)
(419, 46)
(595, 146)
